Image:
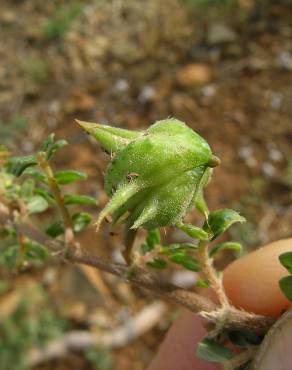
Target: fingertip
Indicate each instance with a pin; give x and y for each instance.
(275, 351)
(252, 282)
(179, 347)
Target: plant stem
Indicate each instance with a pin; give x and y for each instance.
(69, 234)
(211, 274)
(56, 191)
(19, 216)
(237, 319)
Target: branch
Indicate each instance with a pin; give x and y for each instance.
(7, 218)
(190, 300)
(142, 279)
(36, 235)
(58, 196)
(45, 166)
(195, 302)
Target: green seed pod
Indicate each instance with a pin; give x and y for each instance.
(155, 176)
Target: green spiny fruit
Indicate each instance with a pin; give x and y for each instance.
(155, 176)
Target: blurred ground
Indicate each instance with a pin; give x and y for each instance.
(226, 71)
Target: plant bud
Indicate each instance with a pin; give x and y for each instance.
(155, 176)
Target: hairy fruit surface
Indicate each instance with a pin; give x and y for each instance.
(155, 176)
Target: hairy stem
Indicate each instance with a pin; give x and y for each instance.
(19, 217)
(146, 280)
(211, 274)
(56, 191)
(237, 319)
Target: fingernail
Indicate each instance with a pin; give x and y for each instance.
(276, 350)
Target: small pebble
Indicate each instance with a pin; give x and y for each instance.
(121, 85)
(147, 94)
(209, 91)
(275, 155)
(268, 169)
(245, 152)
(284, 60)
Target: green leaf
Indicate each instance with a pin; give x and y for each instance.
(37, 174)
(46, 195)
(183, 246)
(68, 176)
(47, 143)
(286, 260)
(286, 286)
(219, 221)
(55, 147)
(37, 204)
(176, 247)
(233, 246)
(80, 221)
(8, 232)
(36, 251)
(157, 263)
(79, 199)
(193, 231)
(27, 189)
(153, 238)
(202, 283)
(17, 165)
(199, 199)
(201, 204)
(244, 338)
(9, 256)
(56, 229)
(145, 248)
(209, 350)
(188, 262)
(50, 147)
